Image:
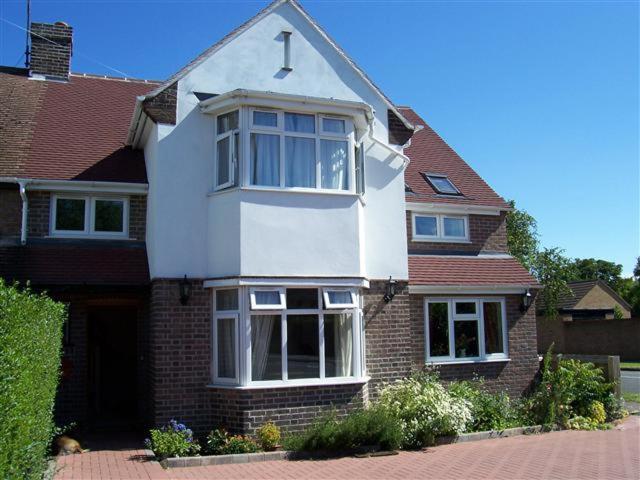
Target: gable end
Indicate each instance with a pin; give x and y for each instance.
(399, 133)
(162, 107)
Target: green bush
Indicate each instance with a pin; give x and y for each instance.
(371, 427)
(489, 411)
(268, 436)
(425, 409)
(172, 440)
(30, 343)
(219, 442)
(216, 440)
(570, 390)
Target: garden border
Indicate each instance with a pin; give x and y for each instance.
(237, 458)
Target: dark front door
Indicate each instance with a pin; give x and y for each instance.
(112, 369)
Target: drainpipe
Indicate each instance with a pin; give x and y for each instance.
(25, 207)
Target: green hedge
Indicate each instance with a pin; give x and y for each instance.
(30, 346)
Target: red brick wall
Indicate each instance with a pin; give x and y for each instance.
(487, 233)
(514, 376)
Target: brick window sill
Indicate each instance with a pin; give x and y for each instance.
(311, 383)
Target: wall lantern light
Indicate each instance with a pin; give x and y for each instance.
(185, 290)
(526, 301)
(390, 291)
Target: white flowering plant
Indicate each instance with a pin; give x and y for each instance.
(425, 409)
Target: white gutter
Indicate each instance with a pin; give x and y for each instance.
(135, 121)
(87, 186)
(25, 209)
(471, 289)
(428, 207)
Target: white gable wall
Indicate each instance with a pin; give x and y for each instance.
(272, 233)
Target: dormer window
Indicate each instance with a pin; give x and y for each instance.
(441, 184)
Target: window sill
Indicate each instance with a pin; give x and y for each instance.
(466, 362)
(310, 383)
(439, 240)
(90, 237)
(312, 191)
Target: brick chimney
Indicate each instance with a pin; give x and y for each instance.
(51, 57)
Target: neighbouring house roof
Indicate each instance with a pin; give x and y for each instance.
(429, 153)
(56, 264)
(468, 271)
(580, 289)
(72, 130)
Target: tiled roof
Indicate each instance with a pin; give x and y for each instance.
(580, 289)
(429, 153)
(469, 270)
(72, 130)
(75, 264)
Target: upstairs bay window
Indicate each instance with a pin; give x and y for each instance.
(288, 150)
(464, 329)
(291, 336)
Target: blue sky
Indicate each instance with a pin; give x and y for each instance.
(541, 98)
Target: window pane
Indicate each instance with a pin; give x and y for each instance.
(334, 164)
(228, 121)
(266, 348)
(226, 348)
(300, 162)
(493, 327)
(338, 345)
(427, 226)
(465, 308)
(298, 298)
(267, 297)
(453, 227)
(69, 214)
(339, 297)
(442, 184)
(333, 125)
(466, 338)
(303, 351)
(227, 300)
(109, 216)
(222, 161)
(360, 179)
(296, 122)
(265, 119)
(438, 329)
(265, 159)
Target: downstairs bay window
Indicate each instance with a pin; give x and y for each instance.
(465, 329)
(287, 336)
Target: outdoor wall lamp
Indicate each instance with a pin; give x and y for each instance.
(185, 290)
(526, 301)
(390, 291)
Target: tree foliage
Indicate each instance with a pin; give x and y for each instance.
(522, 236)
(596, 269)
(553, 270)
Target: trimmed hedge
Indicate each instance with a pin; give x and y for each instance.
(30, 347)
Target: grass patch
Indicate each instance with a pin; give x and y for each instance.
(630, 365)
(631, 397)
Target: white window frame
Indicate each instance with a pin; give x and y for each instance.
(233, 155)
(281, 293)
(89, 230)
(225, 315)
(317, 136)
(479, 318)
(332, 306)
(440, 236)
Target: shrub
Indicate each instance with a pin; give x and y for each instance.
(172, 440)
(369, 427)
(30, 347)
(425, 409)
(216, 440)
(597, 413)
(240, 444)
(489, 411)
(268, 436)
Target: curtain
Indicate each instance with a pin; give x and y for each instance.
(300, 162)
(297, 122)
(261, 331)
(226, 348)
(265, 159)
(334, 164)
(343, 343)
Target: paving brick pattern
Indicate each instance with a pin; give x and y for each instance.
(609, 454)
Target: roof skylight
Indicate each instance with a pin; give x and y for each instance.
(441, 184)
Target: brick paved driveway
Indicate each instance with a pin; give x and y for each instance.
(609, 454)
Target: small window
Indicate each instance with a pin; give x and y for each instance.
(267, 299)
(108, 216)
(302, 298)
(454, 227)
(333, 125)
(227, 149)
(465, 308)
(227, 300)
(70, 215)
(426, 226)
(227, 122)
(440, 228)
(265, 119)
(226, 341)
(360, 178)
(339, 298)
(298, 122)
(441, 184)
